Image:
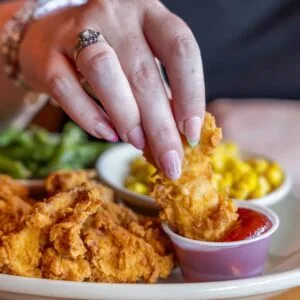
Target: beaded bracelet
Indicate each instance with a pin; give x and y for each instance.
(14, 30)
(11, 38)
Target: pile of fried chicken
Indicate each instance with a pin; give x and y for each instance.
(79, 233)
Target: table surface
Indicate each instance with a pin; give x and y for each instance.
(292, 294)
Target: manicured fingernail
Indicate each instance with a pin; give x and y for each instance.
(171, 164)
(181, 127)
(136, 137)
(192, 130)
(104, 131)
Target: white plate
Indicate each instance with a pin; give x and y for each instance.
(114, 164)
(282, 271)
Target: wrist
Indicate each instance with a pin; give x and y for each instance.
(46, 7)
(11, 38)
(15, 29)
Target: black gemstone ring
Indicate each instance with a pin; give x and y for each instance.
(86, 38)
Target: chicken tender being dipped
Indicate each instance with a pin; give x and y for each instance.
(191, 205)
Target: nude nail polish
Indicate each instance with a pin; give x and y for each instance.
(105, 132)
(171, 164)
(192, 130)
(137, 138)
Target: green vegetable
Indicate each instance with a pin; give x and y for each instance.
(16, 152)
(75, 157)
(37, 152)
(43, 137)
(8, 136)
(30, 151)
(13, 168)
(25, 139)
(72, 135)
(45, 171)
(32, 166)
(86, 154)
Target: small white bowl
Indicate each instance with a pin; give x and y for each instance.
(113, 166)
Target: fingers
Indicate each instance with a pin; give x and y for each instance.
(146, 83)
(174, 44)
(134, 92)
(62, 84)
(100, 66)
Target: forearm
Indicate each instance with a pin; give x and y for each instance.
(11, 97)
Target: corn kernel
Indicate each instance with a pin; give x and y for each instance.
(151, 169)
(248, 181)
(274, 176)
(140, 188)
(137, 165)
(259, 165)
(239, 194)
(236, 176)
(226, 181)
(275, 165)
(141, 174)
(231, 149)
(262, 188)
(242, 167)
(129, 180)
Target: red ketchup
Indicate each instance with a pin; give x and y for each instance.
(250, 225)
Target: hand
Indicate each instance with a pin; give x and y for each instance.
(123, 74)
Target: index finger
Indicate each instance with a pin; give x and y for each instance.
(175, 45)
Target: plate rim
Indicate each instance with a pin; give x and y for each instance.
(264, 284)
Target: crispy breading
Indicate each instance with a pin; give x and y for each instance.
(9, 186)
(64, 180)
(191, 204)
(14, 204)
(22, 250)
(55, 266)
(127, 249)
(76, 235)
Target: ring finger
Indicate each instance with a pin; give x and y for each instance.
(64, 87)
(99, 64)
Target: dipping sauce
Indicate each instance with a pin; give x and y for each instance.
(250, 225)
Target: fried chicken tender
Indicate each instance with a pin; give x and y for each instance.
(55, 266)
(191, 204)
(127, 249)
(14, 204)
(76, 235)
(9, 186)
(22, 251)
(64, 180)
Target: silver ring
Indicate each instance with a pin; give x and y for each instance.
(86, 38)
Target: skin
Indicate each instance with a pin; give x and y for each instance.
(123, 73)
(10, 103)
